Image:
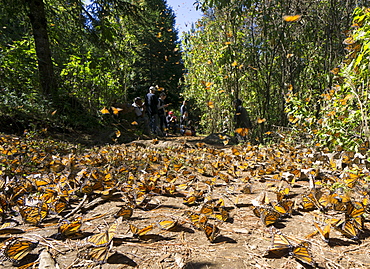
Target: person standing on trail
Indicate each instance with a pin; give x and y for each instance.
(184, 107)
(141, 117)
(162, 112)
(243, 124)
(184, 113)
(151, 105)
(241, 116)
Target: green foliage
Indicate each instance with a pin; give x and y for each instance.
(247, 50)
(104, 54)
(342, 120)
(18, 68)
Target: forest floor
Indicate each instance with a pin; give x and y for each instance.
(158, 179)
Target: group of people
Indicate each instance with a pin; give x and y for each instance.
(154, 119)
(152, 116)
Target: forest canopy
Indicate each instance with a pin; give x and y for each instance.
(295, 64)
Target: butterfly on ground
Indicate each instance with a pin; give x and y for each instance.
(9, 228)
(16, 249)
(310, 201)
(211, 231)
(284, 207)
(302, 253)
(324, 232)
(267, 214)
(136, 232)
(281, 246)
(104, 238)
(68, 228)
(348, 229)
(125, 212)
(167, 224)
(198, 220)
(97, 254)
(34, 214)
(222, 214)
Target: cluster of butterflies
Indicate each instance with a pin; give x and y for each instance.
(342, 208)
(210, 210)
(283, 245)
(346, 215)
(272, 212)
(189, 173)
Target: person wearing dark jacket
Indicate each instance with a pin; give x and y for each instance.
(151, 106)
(241, 116)
(162, 112)
(243, 124)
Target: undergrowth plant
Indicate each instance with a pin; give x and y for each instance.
(341, 118)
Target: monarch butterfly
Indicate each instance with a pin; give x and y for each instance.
(267, 215)
(140, 232)
(242, 131)
(207, 209)
(98, 254)
(104, 238)
(125, 212)
(280, 245)
(60, 205)
(167, 224)
(16, 249)
(323, 232)
(197, 219)
(116, 110)
(353, 212)
(211, 104)
(347, 228)
(282, 193)
(190, 200)
(211, 231)
(104, 111)
(309, 201)
(42, 181)
(34, 214)
(67, 228)
(284, 207)
(86, 188)
(292, 18)
(302, 253)
(223, 215)
(141, 199)
(351, 179)
(358, 222)
(325, 200)
(337, 204)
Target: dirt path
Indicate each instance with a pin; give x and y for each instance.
(157, 180)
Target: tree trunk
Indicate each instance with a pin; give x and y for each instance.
(42, 44)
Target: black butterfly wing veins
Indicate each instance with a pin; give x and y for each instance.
(106, 237)
(16, 249)
(280, 245)
(136, 232)
(267, 214)
(211, 231)
(302, 253)
(67, 228)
